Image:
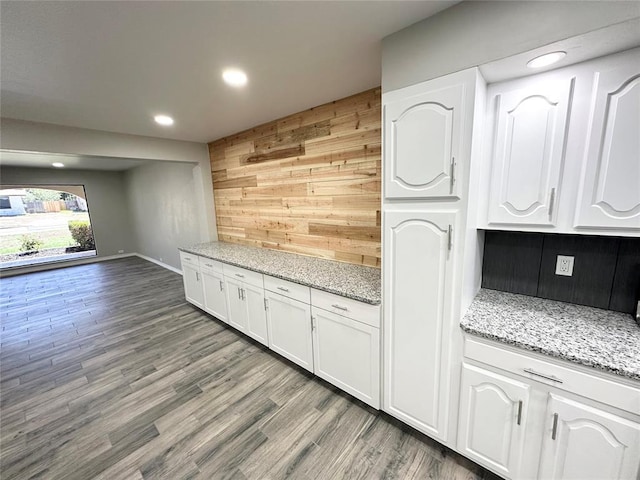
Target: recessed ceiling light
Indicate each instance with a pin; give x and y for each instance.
(234, 77)
(57, 164)
(165, 120)
(546, 59)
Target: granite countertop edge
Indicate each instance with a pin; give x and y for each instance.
(371, 300)
(556, 329)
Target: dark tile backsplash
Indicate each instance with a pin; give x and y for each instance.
(606, 272)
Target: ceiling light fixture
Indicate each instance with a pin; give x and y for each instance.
(165, 120)
(57, 164)
(234, 77)
(546, 59)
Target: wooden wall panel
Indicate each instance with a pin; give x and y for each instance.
(308, 183)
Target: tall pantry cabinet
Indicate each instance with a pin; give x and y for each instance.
(429, 266)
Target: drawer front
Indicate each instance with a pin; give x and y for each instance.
(529, 366)
(293, 290)
(211, 265)
(243, 275)
(347, 307)
(189, 258)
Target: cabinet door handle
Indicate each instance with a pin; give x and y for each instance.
(449, 238)
(243, 296)
(519, 412)
(554, 431)
(239, 294)
(221, 286)
(266, 304)
(452, 173)
(542, 375)
(239, 275)
(344, 309)
(552, 200)
(197, 276)
(313, 323)
(283, 289)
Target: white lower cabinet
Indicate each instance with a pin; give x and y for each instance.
(346, 353)
(582, 443)
(289, 324)
(193, 289)
(215, 301)
(493, 412)
(417, 284)
(550, 422)
(246, 304)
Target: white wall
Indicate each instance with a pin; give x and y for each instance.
(168, 209)
(106, 197)
(473, 33)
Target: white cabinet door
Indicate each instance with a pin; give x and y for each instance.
(193, 290)
(610, 189)
(256, 313)
(417, 305)
(493, 414)
(530, 129)
(583, 443)
(289, 326)
(346, 353)
(237, 310)
(215, 301)
(424, 135)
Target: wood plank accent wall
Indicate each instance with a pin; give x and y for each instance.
(308, 183)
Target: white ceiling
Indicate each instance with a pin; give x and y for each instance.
(113, 65)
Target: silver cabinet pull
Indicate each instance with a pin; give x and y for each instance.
(239, 294)
(344, 309)
(242, 290)
(239, 275)
(266, 304)
(450, 238)
(552, 200)
(519, 412)
(197, 276)
(221, 286)
(313, 323)
(542, 375)
(283, 289)
(554, 431)
(452, 173)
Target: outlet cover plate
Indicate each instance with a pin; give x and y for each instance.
(564, 265)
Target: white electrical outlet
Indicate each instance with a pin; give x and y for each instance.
(564, 266)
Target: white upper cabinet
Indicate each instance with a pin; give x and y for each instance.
(531, 121)
(563, 150)
(426, 134)
(610, 187)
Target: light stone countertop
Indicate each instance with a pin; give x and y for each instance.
(351, 281)
(602, 339)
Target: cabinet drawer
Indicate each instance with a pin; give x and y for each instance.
(363, 312)
(189, 258)
(289, 289)
(244, 275)
(208, 264)
(619, 395)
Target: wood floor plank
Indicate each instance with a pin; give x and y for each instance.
(108, 373)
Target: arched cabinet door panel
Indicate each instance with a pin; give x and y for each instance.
(418, 271)
(427, 134)
(583, 443)
(531, 126)
(609, 197)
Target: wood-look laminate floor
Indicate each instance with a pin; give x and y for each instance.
(108, 373)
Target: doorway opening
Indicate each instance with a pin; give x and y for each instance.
(43, 224)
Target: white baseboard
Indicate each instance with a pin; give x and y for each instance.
(158, 262)
(62, 264)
